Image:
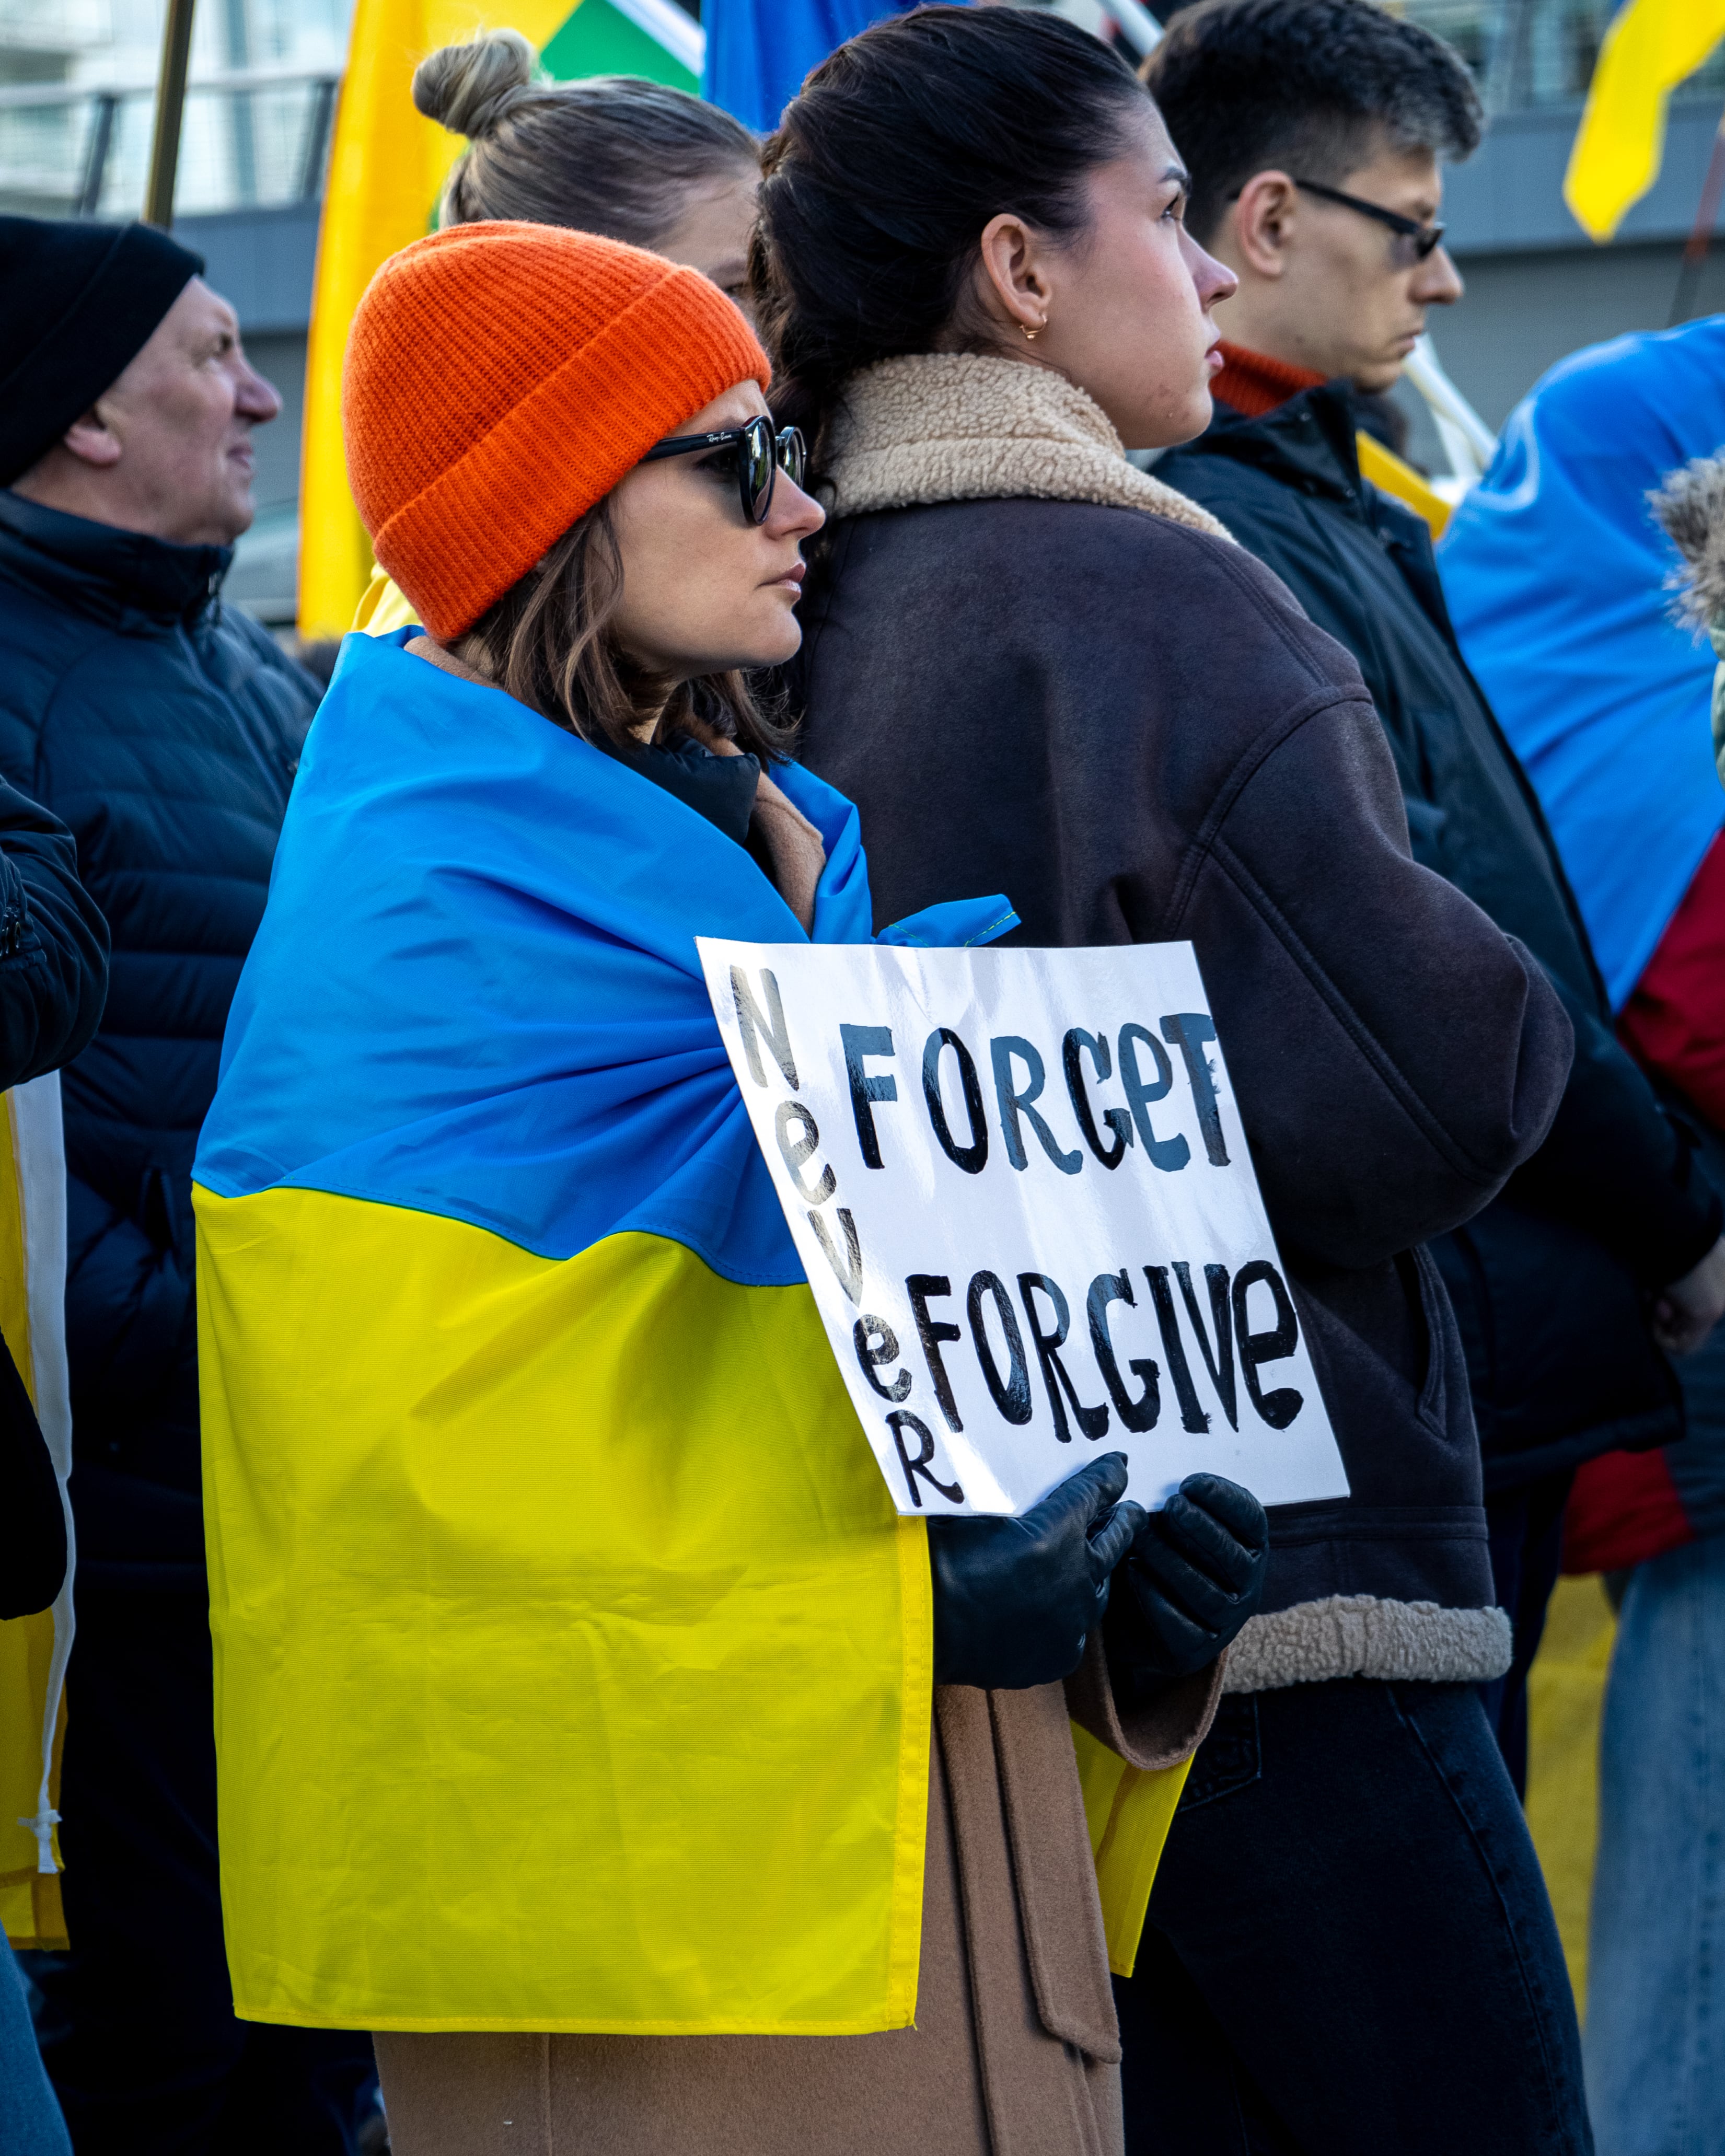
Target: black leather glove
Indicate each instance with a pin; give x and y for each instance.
(1194, 1575)
(1015, 1599)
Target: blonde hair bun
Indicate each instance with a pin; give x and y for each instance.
(472, 88)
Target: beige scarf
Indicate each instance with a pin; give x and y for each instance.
(967, 426)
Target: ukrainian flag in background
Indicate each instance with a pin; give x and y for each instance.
(1650, 47)
(387, 165)
(572, 1667)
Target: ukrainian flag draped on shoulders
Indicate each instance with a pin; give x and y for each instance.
(574, 1669)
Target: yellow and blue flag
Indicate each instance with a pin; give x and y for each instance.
(573, 1666)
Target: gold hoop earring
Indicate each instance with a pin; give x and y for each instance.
(1030, 335)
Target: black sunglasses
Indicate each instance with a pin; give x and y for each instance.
(1420, 240)
(761, 456)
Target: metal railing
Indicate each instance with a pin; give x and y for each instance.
(1527, 55)
(253, 137)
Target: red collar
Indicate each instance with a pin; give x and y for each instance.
(1255, 384)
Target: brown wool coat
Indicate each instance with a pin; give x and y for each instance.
(1015, 2050)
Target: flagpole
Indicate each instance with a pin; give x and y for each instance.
(170, 112)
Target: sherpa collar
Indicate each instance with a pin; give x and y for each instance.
(967, 427)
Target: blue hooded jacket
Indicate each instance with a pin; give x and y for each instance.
(1557, 579)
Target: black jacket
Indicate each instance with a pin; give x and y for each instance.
(165, 732)
(54, 974)
(1128, 727)
(1549, 1283)
(54, 944)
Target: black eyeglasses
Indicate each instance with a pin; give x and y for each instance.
(1417, 241)
(761, 456)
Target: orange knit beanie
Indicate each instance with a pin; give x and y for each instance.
(502, 378)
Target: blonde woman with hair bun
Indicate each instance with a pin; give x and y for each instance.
(629, 159)
(615, 154)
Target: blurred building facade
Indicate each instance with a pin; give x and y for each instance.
(76, 78)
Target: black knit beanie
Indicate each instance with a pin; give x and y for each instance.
(78, 303)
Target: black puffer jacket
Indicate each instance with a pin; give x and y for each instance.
(1548, 1283)
(165, 732)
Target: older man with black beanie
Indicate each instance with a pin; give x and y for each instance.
(164, 731)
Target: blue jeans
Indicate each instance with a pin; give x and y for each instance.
(30, 2122)
(1655, 2047)
(1350, 1949)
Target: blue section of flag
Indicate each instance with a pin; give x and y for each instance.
(758, 51)
(1556, 576)
(476, 991)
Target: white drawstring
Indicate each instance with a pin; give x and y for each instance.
(42, 1826)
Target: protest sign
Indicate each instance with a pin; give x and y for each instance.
(1018, 1185)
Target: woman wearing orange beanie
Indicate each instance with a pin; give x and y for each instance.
(636, 160)
(590, 1727)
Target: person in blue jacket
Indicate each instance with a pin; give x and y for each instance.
(162, 729)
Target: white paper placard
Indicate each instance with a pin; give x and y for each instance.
(1020, 1188)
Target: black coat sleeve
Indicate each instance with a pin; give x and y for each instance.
(1411, 1055)
(1614, 1164)
(54, 944)
(1617, 1165)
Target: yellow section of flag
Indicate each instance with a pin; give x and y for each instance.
(1129, 1810)
(383, 607)
(1395, 475)
(387, 166)
(1650, 47)
(572, 1668)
